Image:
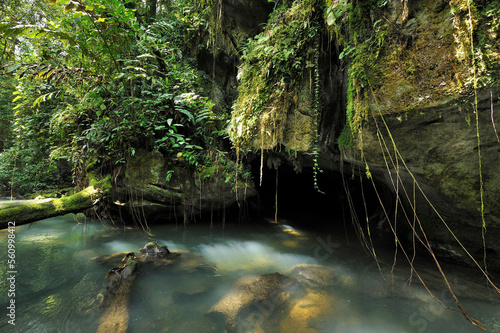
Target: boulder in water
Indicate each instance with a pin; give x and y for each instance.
(153, 250)
(256, 302)
(317, 276)
(295, 302)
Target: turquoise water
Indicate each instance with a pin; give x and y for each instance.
(58, 280)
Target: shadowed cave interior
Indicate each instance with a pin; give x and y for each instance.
(298, 200)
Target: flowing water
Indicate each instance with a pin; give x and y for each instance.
(59, 283)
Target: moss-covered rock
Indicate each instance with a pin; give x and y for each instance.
(277, 89)
(161, 190)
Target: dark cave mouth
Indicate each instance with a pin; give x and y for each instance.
(344, 198)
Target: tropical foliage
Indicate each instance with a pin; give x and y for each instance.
(272, 75)
(93, 81)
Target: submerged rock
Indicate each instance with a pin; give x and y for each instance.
(254, 301)
(185, 298)
(114, 305)
(317, 276)
(276, 302)
(115, 314)
(118, 275)
(86, 296)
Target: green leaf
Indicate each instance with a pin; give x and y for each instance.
(330, 20)
(38, 100)
(32, 34)
(103, 107)
(187, 113)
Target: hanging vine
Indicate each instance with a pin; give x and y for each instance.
(316, 113)
(367, 49)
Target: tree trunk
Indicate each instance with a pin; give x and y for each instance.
(38, 211)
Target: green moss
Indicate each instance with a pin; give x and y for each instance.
(55, 207)
(131, 262)
(144, 168)
(102, 182)
(219, 169)
(422, 62)
(274, 88)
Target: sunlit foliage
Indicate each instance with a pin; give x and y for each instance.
(97, 80)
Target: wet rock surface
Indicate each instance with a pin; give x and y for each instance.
(114, 305)
(440, 152)
(254, 302)
(305, 298)
(295, 301)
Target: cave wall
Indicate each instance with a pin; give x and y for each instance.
(422, 88)
(151, 188)
(438, 152)
(218, 53)
(426, 93)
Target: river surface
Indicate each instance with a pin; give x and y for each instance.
(59, 281)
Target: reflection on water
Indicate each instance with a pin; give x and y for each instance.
(59, 286)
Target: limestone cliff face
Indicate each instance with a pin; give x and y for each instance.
(219, 52)
(421, 138)
(431, 159)
(411, 72)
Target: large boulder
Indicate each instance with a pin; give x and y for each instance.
(154, 188)
(273, 303)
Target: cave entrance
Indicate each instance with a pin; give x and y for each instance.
(344, 198)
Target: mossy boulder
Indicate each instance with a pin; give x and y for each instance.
(153, 250)
(161, 190)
